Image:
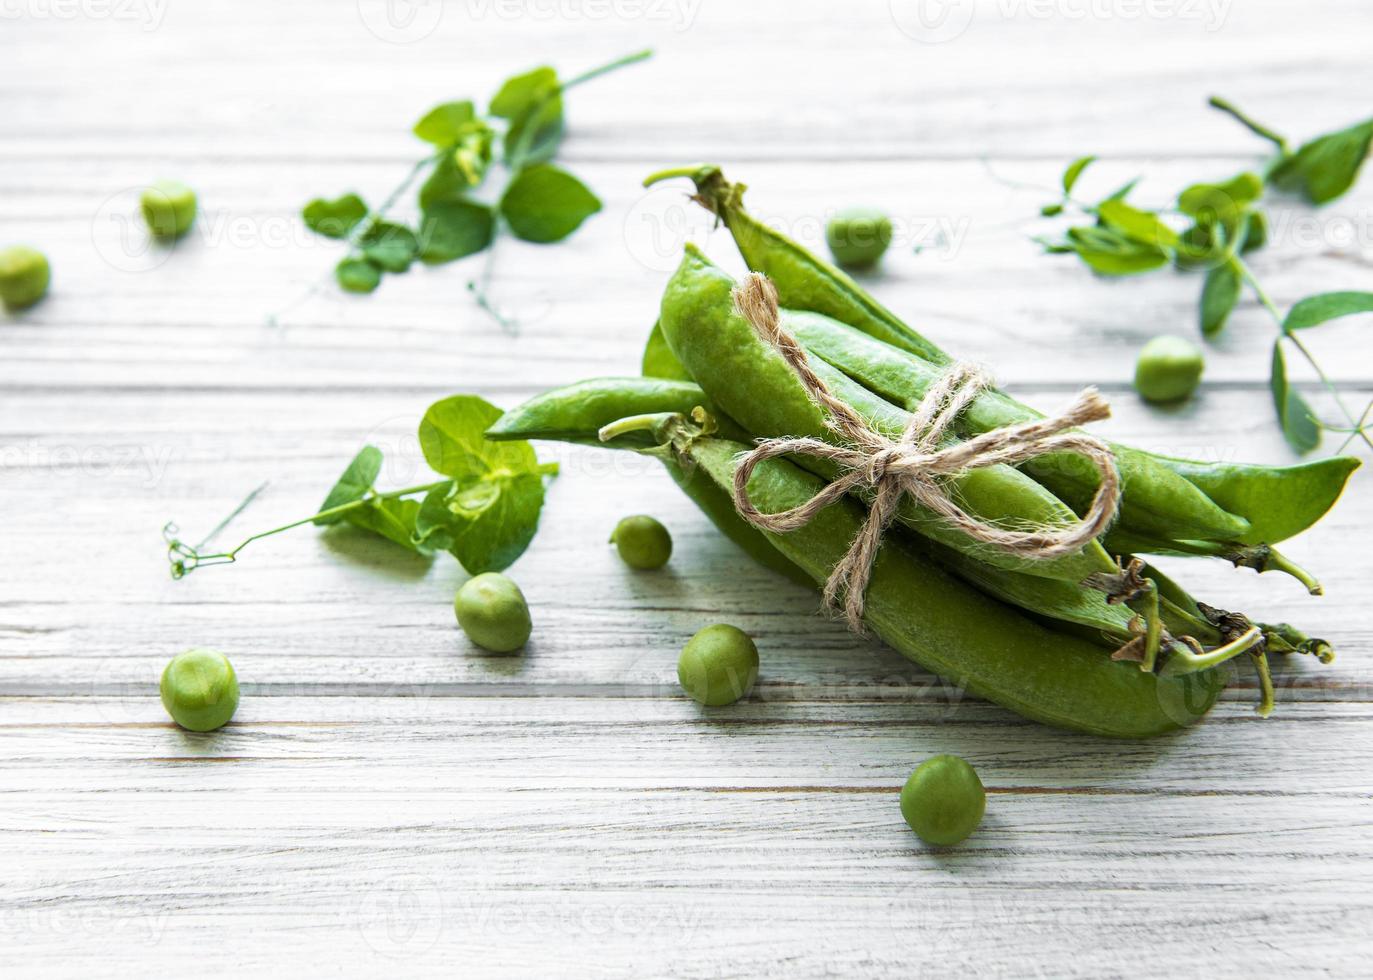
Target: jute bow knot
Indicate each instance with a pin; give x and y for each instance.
(914, 464)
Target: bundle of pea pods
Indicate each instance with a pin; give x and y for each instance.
(1097, 640)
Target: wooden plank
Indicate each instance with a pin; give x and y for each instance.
(389, 800)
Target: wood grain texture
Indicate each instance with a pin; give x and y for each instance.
(388, 800)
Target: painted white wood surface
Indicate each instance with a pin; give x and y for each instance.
(388, 801)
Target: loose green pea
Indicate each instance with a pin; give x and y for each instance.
(199, 690)
(718, 665)
(943, 801)
(857, 237)
(493, 613)
(642, 542)
(168, 208)
(24, 276)
(1168, 369)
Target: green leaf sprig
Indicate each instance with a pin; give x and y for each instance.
(1210, 228)
(539, 202)
(484, 511)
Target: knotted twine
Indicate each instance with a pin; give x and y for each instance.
(914, 465)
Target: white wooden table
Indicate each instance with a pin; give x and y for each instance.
(386, 801)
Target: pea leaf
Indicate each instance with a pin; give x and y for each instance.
(1255, 232)
(336, 218)
(487, 525)
(392, 519)
(1326, 167)
(445, 124)
(1110, 253)
(452, 438)
(446, 182)
(450, 230)
(545, 204)
(533, 104)
(1141, 226)
(354, 484)
(1123, 191)
(1219, 295)
(1051, 210)
(358, 275)
(1074, 171)
(1220, 202)
(1315, 310)
(391, 246)
(1298, 422)
(489, 514)
(519, 93)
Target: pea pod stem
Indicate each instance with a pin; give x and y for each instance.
(1183, 661)
(1266, 559)
(656, 423)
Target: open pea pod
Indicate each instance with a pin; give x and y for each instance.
(803, 279)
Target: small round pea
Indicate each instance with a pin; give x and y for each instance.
(718, 665)
(1168, 369)
(24, 276)
(168, 208)
(857, 237)
(943, 801)
(642, 542)
(199, 690)
(493, 613)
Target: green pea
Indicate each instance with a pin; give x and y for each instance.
(24, 276)
(943, 801)
(642, 542)
(168, 208)
(857, 237)
(1168, 369)
(718, 665)
(199, 690)
(493, 613)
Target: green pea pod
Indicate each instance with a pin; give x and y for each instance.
(753, 385)
(955, 631)
(1278, 501)
(658, 359)
(572, 417)
(1155, 499)
(804, 280)
(577, 412)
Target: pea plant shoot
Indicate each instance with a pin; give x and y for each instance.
(483, 510)
(539, 201)
(1210, 229)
